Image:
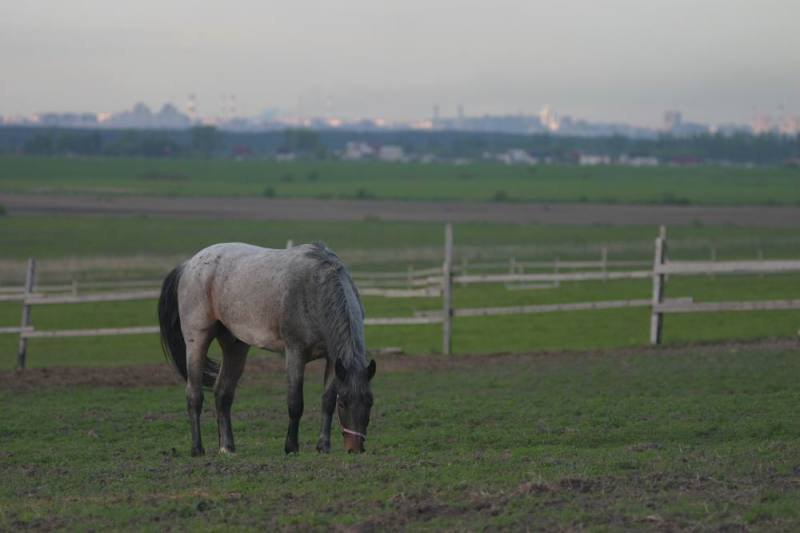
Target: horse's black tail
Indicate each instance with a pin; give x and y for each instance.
(171, 335)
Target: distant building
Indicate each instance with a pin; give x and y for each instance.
(357, 150)
(675, 125)
(517, 156)
(672, 120)
(790, 126)
(490, 123)
(549, 119)
(141, 117)
(391, 153)
(68, 120)
(731, 128)
(638, 161)
(593, 160)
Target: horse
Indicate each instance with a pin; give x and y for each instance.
(300, 301)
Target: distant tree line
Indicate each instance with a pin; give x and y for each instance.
(208, 141)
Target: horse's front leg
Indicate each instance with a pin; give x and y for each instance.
(295, 367)
(328, 405)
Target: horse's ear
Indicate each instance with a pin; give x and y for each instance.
(341, 372)
(371, 369)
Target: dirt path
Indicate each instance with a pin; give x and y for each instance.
(314, 209)
(271, 366)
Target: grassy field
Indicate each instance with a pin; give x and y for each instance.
(702, 438)
(85, 236)
(330, 179)
(614, 437)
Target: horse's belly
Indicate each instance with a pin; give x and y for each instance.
(260, 338)
(249, 319)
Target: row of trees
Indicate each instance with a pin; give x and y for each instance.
(202, 140)
(207, 141)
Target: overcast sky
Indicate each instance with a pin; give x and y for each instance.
(626, 60)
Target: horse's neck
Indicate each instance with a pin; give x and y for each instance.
(351, 338)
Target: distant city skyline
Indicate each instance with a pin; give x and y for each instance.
(547, 120)
(192, 107)
(717, 61)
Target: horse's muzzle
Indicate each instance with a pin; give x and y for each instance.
(353, 443)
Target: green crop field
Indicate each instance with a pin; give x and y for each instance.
(85, 236)
(331, 179)
(701, 438)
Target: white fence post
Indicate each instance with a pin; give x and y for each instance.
(30, 282)
(447, 291)
(289, 243)
(656, 316)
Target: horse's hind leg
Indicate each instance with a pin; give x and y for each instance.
(234, 357)
(197, 342)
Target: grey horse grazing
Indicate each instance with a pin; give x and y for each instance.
(300, 301)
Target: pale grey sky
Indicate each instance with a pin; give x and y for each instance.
(716, 60)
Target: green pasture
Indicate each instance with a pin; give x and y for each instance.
(602, 435)
(334, 179)
(698, 439)
(57, 237)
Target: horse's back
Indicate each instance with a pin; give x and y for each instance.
(247, 288)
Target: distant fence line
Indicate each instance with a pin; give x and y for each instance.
(64, 269)
(439, 283)
(417, 282)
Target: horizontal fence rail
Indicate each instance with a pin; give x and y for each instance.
(99, 332)
(403, 320)
(727, 267)
(396, 284)
(15, 329)
(76, 285)
(549, 308)
(567, 276)
(701, 307)
(395, 275)
(89, 298)
(428, 292)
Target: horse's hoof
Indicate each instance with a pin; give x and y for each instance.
(227, 451)
(197, 452)
(291, 449)
(324, 447)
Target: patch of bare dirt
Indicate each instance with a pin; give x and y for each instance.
(330, 209)
(597, 497)
(261, 366)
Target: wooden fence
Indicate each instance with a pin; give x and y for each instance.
(439, 283)
(659, 271)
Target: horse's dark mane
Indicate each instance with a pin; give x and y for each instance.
(341, 307)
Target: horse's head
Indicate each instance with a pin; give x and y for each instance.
(353, 404)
